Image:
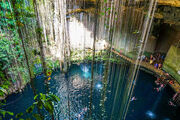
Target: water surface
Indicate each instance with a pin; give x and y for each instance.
(73, 88)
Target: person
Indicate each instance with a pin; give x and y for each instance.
(120, 52)
(168, 78)
(157, 89)
(171, 82)
(156, 65)
(175, 99)
(133, 98)
(154, 59)
(143, 57)
(175, 95)
(162, 57)
(159, 66)
(167, 74)
(158, 57)
(157, 81)
(172, 104)
(160, 87)
(146, 59)
(151, 59)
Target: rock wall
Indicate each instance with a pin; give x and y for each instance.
(151, 44)
(172, 62)
(168, 35)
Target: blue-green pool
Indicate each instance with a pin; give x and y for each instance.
(74, 87)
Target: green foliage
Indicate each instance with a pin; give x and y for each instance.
(11, 53)
(37, 65)
(19, 115)
(10, 44)
(39, 31)
(37, 116)
(7, 13)
(3, 113)
(101, 55)
(46, 101)
(14, 14)
(2, 91)
(42, 102)
(6, 16)
(30, 109)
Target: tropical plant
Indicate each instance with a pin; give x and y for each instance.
(42, 102)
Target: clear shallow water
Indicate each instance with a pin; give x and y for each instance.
(73, 89)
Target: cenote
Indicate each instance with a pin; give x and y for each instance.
(89, 59)
(73, 88)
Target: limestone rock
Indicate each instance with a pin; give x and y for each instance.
(174, 3)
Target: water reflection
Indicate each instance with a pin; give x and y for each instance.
(84, 67)
(77, 82)
(99, 86)
(150, 114)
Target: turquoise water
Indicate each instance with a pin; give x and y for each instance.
(73, 88)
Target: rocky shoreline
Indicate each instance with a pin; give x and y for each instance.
(12, 90)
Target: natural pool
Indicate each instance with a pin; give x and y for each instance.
(73, 88)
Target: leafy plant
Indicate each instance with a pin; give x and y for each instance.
(42, 102)
(3, 112)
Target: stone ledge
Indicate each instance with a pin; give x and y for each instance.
(173, 3)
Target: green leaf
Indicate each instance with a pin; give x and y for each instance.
(54, 98)
(49, 107)
(40, 105)
(30, 109)
(35, 97)
(43, 96)
(37, 116)
(102, 13)
(35, 103)
(3, 112)
(10, 113)
(19, 115)
(1, 104)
